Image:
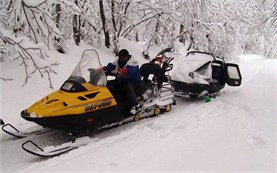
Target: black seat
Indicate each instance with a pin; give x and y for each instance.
(148, 69)
(147, 83)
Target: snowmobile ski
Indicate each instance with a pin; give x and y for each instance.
(52, 151)
(11, 130)
(41, 152)
(2, 122)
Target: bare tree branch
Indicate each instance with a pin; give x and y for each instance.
(24, 54)
(6, 79)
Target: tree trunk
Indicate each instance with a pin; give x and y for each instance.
(76, 27)
(156, 32)
(58, 12)
(57, 40)
(114, 37)
(113, 12)
(103, 18)
(181, 32)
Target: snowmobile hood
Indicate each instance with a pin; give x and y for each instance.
(84, 91)
(61, 103)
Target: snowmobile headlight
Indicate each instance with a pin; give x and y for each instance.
(33, 114)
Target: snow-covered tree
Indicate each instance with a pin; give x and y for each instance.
(29, 28)
(219, 27)
(27, 32)
(258, 25)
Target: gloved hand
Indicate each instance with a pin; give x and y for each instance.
(119, 72)
(122, 71)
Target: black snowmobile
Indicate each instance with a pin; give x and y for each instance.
(201, 73)
(85, 102)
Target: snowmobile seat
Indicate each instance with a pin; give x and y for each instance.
(146, 83)
(148, 69)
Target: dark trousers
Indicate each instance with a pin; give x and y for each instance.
(126, 90)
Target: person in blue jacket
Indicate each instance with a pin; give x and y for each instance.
(127, 73)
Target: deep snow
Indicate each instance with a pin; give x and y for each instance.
(234, 133)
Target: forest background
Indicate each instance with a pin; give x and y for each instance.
(30, 29)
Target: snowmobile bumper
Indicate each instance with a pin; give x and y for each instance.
(195, 89)
(79, 123)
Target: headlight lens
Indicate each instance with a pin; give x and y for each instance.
(33, 114)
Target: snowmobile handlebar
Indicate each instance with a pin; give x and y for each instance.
(170, 49)
(215, 58)
(168, 65)
(161, 58)
(199, 52)
(111, 74)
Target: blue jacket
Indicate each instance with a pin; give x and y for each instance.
(132, 70)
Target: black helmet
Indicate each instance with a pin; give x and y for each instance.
(123, 53)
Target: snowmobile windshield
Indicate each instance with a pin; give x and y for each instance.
(89, 69)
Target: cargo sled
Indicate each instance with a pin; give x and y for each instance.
(201, 73)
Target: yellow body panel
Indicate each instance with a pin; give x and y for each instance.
(61, 103)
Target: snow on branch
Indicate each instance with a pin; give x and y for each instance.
(72, 6)
(31, 56)
(38, 20)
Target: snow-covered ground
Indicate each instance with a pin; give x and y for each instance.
(234, 133)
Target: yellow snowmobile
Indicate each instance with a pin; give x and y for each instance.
(85, 102)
